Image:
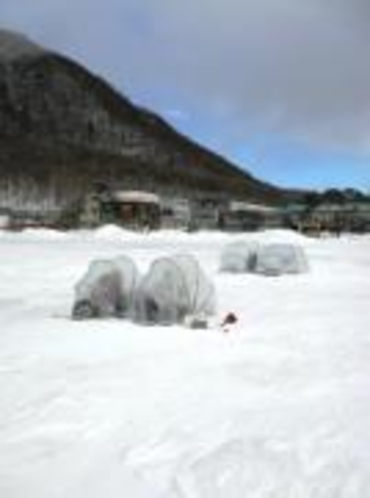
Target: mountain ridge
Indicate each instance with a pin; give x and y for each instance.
(64, 129)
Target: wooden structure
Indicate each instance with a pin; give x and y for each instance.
(175, 213)
(132, 209)
(244, 216)
(127, 208)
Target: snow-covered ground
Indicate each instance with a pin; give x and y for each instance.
(278, 407)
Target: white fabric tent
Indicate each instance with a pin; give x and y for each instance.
(278, 259)
(173, 289)
(239, 257)
(106, 289)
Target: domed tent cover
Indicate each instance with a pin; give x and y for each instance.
(239, 257)
(106, 289)
(174, 288)
(277, 259)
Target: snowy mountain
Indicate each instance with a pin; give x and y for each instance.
(63, 129)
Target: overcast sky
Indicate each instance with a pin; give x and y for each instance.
(280, 86)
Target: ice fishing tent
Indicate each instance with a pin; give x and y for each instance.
(106, 289)
(280, 258)
(174, 288)
(239, 257)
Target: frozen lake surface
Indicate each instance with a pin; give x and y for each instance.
(278, 407)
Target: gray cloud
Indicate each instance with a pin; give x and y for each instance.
(290, 67)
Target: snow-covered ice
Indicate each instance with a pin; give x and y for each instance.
(278, 407)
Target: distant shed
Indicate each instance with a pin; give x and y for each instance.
(132, 208)
(175, 213)
(247, 216)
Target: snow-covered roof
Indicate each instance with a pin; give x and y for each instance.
(14, 45)
(250, 207)
(135, 196)
(349, 208)
(328, 207)
(175, 202)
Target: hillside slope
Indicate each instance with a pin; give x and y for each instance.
(63, 129)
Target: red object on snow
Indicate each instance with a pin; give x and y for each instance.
(229, 319)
